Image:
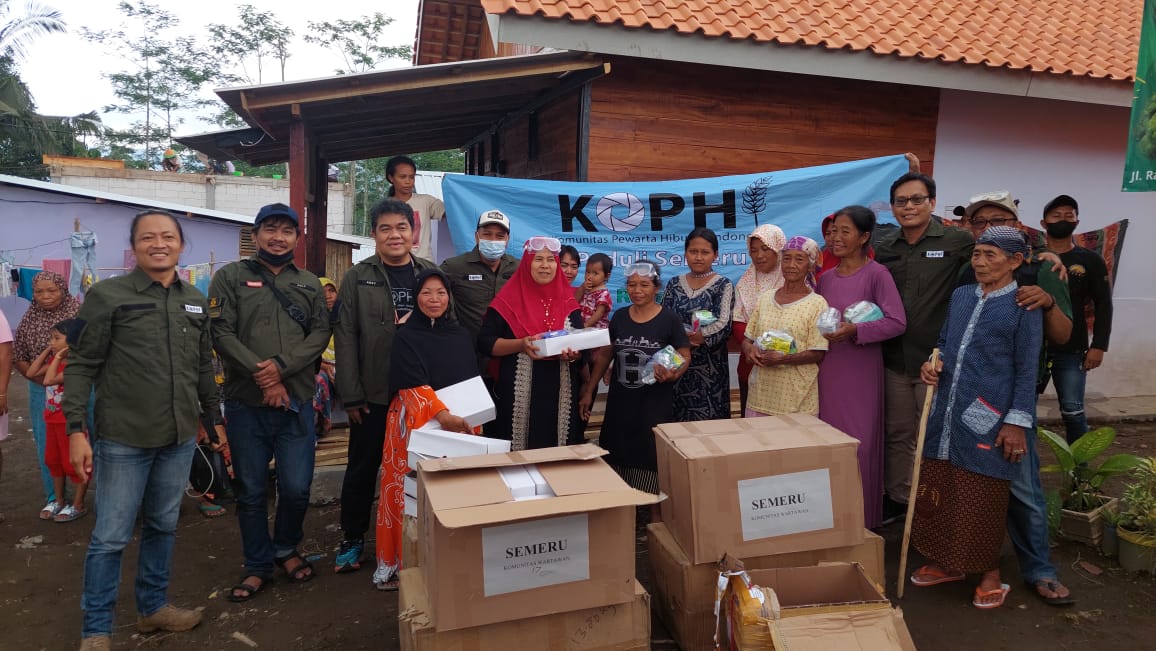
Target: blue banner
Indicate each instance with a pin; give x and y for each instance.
(633, 220)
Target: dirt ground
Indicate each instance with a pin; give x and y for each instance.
(42, 564)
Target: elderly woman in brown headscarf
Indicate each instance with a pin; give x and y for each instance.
(51, 304)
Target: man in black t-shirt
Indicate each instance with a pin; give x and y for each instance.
(1091, 291)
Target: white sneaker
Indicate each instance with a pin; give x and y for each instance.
(50, 510)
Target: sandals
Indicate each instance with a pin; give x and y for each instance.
(1002, 591)
(210, 510)
(50, 510)
(1051, 585)
(387, 586)
(301, 573)
(70, 513)
(247, 590)
(930, 575)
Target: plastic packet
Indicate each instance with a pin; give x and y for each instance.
(554, 333)
(862, 312)
(700, 318)
(829, 321)
(667, 358)
(776, 340)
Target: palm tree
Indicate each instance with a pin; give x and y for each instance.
(18, 32)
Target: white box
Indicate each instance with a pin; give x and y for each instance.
(541, 486)
(519, 482)
(576, 340)
(469, 399)
(410, 484)
(410, 507)
(430, 443)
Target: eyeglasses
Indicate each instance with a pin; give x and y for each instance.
(915, 200)
(646, 269)
(538, 242)
(995, 221)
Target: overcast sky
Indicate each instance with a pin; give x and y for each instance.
(66, 73)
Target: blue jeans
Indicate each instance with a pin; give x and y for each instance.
(1027, 518)
(129, 480)
(256, 435)
(1069, 376)
(40, 436)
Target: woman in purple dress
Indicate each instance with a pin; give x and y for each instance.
(851, 374)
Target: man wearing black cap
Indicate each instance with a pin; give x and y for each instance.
(1090, 289)
(270, 326)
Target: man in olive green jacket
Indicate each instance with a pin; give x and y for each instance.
(376, 296)
(270, 326)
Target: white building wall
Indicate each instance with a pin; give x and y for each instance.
(240, 195)
(1040, 148)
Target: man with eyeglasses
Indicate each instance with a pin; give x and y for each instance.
(1040, 288)
(925, 259)
(377, 295)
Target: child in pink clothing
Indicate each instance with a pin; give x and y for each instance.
(596, 303)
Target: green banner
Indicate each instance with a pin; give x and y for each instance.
(1140, 164)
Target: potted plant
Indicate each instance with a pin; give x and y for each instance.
(1137, 528)
(1081, 498)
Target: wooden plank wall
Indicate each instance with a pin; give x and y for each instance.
(338, 259)
(557, 144)
(653, 120)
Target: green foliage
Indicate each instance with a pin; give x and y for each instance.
(259, 35)
(357, 41)
(1082, 481)
(1139, 513)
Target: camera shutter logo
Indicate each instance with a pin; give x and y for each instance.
(612, 207)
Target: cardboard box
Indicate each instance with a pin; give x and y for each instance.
(757, 596)
(684, 593)
(619, 627)
(490, 558)
(869, 630)
(433, 443)
(410, 557)
(759, 486)
(583, 339)
(469, 399)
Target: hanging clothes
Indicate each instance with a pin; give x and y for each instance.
(27, 274)
(83, 262)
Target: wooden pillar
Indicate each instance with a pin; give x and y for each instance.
(316, 211)
(299, 175)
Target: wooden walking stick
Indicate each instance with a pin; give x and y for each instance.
(902, 582)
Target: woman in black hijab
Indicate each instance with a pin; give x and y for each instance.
(430, 352)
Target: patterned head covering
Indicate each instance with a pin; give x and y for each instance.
(811, 248)
(36, 326)
(753, 283)
(1007, 238)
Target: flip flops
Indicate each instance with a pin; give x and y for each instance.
(69, 513)
(50, 510)
(1051, 585)
(930, 575)
(1002, 591)
(210, 510)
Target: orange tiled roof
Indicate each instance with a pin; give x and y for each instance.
(1090, 38)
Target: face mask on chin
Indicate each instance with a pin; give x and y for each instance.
(1061, 230)
(274, 260)
(492, 249)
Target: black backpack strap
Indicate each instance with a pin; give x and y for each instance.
(299, 316)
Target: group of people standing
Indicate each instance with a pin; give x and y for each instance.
(401, 327)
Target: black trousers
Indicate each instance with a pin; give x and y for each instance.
(357, 488)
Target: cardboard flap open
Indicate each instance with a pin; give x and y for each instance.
(827, 584)
(580, 477)
(490, 513)
(470, 487)
(583, 452)
(866, 630)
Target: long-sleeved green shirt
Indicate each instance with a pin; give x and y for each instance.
(147, 351)
(251, 326)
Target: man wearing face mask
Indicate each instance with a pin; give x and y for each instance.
(477, 275)
(1089, 287)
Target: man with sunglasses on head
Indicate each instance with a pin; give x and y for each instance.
(1040, 288)
(377, 295)
(925, 259)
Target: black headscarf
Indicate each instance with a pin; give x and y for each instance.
(435, 352)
